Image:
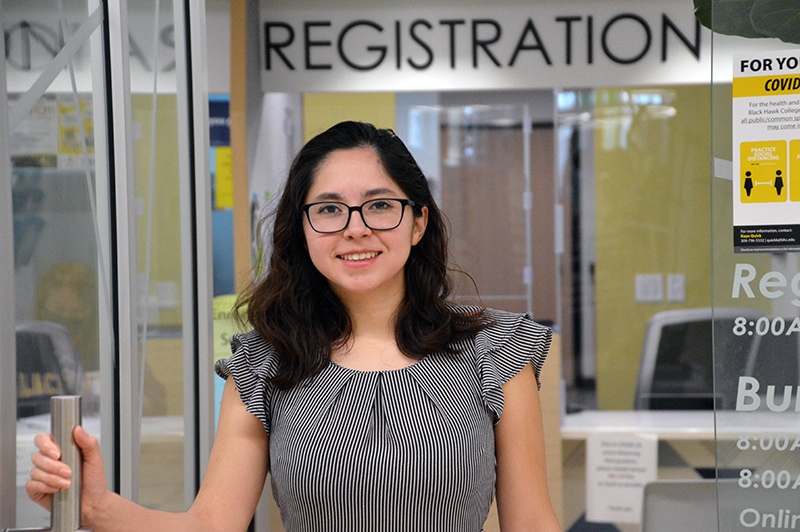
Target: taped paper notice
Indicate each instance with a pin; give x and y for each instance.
(766, 160)
(617, 468)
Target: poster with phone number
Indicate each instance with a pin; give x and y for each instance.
(766, 152)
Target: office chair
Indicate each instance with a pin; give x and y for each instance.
(678, 366)
(47, 365)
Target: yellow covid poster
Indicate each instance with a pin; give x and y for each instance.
(766, 160)
(763, 167)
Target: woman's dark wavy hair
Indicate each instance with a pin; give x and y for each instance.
(293, 306)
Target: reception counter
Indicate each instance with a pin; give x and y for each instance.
(691, 444)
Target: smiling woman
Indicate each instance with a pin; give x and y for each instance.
(359, 258)
(314, 285)
(373, 401)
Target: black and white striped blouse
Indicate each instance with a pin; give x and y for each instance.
(410, 449)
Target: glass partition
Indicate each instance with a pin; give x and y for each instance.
(482, 182)
(110, 202)
(631, 167)
(635, 315)
(755, 192)
(159, 263)
(60, 210)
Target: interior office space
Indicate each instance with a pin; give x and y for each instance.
(597, 133)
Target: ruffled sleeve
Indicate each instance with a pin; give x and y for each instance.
(503, 349)
(253, 364)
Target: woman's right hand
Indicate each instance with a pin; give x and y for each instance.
(50, 474)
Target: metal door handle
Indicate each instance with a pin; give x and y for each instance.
(65, 516)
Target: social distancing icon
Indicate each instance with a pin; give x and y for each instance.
(763, 166)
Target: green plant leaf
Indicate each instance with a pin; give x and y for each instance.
(729, 17)
(752, 19)
(777, 18)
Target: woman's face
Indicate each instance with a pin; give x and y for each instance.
(359, 261)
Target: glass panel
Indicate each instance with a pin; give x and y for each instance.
(630, 164)
(480, 195)
(756, 207)
(61, 290)
(156, 156)
(636, 316)
(491, 177)
(62, 294)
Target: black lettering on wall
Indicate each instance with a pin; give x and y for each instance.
(308, 43)
(424, 45)
(372, 48)
(530, 28)
(167, 38)
(667, 23)
(398, 46)
(451, 23)
(484, 43)
(568, 36)
(135, 52)
(21, 39)
(607, 29)
(270, 44)
(365, 44)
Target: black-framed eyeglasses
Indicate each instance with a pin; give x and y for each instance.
(380, 214)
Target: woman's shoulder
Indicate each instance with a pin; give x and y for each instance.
(250, 353)
(252, 365)
(508, 341)
(500, 325)
(250, 339)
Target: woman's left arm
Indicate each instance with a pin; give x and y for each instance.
(523, 503)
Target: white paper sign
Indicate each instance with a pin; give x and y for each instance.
(617, 468)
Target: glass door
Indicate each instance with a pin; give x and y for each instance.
(105, 209)
(60, 269)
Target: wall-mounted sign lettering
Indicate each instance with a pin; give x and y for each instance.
(479, 47)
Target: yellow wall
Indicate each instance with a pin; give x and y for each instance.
(322, 110)
(659, 212)
(652, 207)
(165, 262)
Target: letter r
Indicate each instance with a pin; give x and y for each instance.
(742, 276)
